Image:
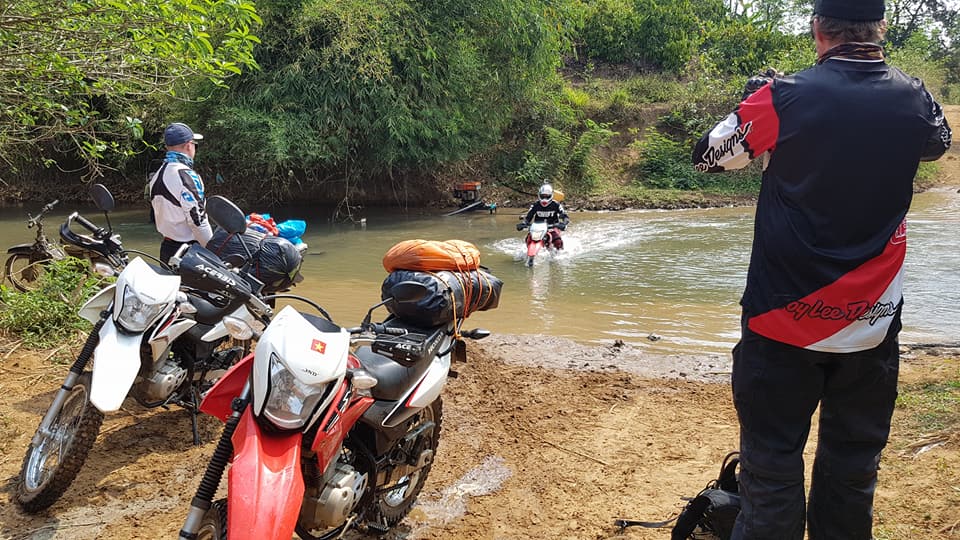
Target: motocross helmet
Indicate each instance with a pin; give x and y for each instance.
(546, 194)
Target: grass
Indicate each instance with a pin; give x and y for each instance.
(931, 406)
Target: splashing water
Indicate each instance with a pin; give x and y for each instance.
(484, 479)
(585, 240)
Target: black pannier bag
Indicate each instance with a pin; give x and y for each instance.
(275, 261)
(449, 293)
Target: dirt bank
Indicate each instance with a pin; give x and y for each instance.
(526, 452)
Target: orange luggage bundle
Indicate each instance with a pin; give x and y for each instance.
(456, 283)
(432, 256)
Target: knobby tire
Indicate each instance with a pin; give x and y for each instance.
(71, 460)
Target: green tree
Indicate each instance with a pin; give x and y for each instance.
(80, 70)
(662, 34)
(363, 88)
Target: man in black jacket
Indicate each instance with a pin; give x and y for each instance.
(548, 210)
(841, 144)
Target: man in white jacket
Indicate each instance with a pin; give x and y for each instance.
(177, 195)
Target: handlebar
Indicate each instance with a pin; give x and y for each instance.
(35, 220)
(86, 223)
(378, 328)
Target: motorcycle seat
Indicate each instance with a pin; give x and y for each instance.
(393, 378)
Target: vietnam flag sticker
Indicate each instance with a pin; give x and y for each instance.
(318, 346)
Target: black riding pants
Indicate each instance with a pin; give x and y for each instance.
(776, 389)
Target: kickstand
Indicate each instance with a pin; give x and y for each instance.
(194, 413)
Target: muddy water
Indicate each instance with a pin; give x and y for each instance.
(666, 281)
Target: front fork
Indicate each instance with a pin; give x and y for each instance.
(75, 371)
(214, 474)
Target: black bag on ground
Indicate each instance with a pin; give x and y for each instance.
(711, 514)
(275, 261)
(449, 293)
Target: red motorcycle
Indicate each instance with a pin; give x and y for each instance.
(322, 440)
(541, 236)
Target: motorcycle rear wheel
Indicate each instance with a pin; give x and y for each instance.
(23, 272)
(213, 525)
(73, 433)
(395, 504)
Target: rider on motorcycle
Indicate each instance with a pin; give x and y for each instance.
(549, 210)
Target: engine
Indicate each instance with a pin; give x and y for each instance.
(159, 384)
(331, 504)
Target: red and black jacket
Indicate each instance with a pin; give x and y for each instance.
(844, 139)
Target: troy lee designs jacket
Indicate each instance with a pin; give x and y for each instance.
(844, 141)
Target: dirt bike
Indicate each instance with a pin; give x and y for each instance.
(103, 249)
(322, 440)
(25, 261)
(539, 235)
(157, 338)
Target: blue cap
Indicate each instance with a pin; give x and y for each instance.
(178, 133)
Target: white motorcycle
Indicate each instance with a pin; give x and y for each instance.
(157, 338)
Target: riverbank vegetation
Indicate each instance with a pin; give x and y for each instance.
(392, 101)
(47, 315)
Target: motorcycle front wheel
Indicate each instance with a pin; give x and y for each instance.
(49, 467)
(397, 493)
(213, 526)
(23, 272)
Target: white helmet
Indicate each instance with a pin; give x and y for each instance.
(546, 194)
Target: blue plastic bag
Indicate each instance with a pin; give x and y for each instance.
(291, 228)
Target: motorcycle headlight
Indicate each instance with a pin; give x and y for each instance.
(136, 315)
(290, 401)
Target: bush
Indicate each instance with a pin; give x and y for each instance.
(48, 314)
(562, 157)
(742, 48)
(665, 164)
(662, 34)
(914, 58)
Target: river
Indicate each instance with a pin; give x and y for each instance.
(668, 281)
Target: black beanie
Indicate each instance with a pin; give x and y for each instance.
(850, 10)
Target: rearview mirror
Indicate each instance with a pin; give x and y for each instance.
(102, 197)
(226, 214)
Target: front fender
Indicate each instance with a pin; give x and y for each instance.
(533, 248)
(20, 248)
(265, 484)
(116, 362)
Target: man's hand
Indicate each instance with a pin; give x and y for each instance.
(758, 81)
(521, 226)
(562, 226)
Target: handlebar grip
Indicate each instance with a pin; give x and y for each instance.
(381, 329)
(87, 224)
